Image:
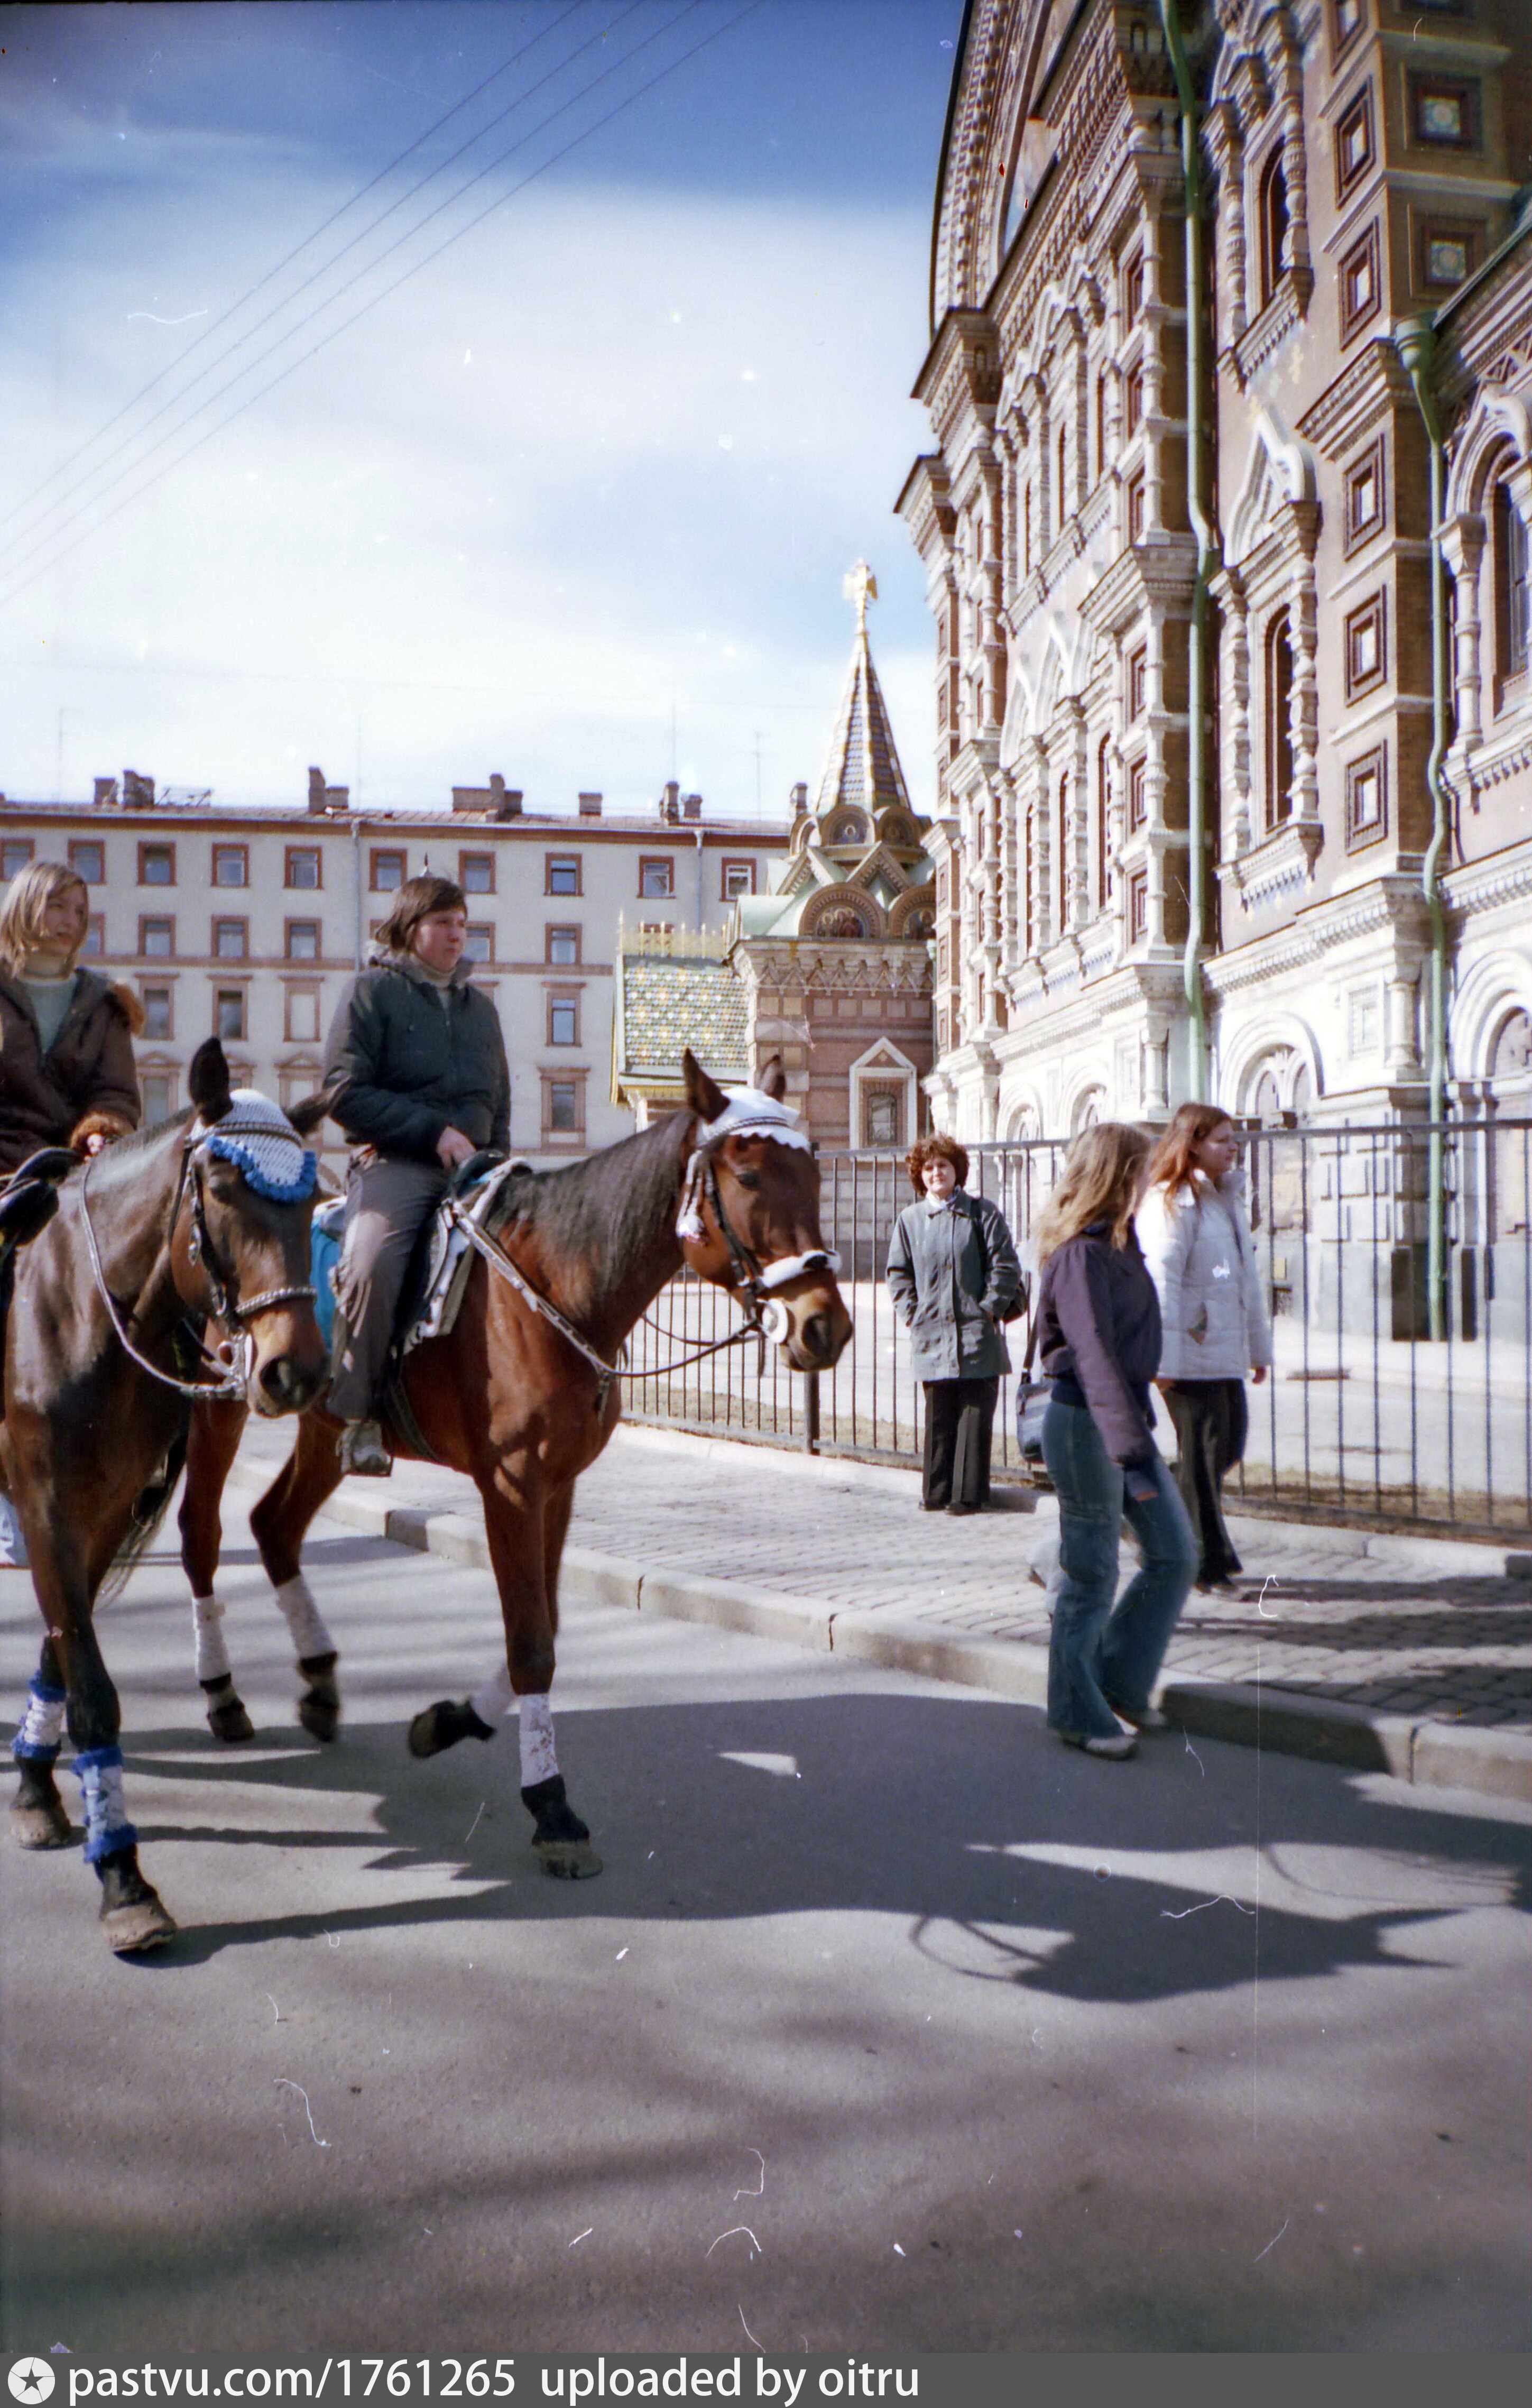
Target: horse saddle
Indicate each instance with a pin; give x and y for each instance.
(440, 1266)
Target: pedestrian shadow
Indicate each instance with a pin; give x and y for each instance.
(956, 1815)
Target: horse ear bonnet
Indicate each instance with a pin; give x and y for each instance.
(257, 1137)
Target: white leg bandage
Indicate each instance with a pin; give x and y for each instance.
(304, 1619)
(492, 1701)
(39, 1738)
(208, 1628)
(107, 1825)
(538, 1760)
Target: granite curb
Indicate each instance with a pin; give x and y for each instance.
(1489, 1762)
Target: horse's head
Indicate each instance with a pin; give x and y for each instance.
(750, 1217)
(241, 1244)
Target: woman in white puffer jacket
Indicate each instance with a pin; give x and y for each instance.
(1197, 1244)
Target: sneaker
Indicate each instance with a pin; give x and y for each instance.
(1121, 1745)
(1143, 1718)
(362, 1452)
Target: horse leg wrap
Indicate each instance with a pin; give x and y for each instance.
(108, 1830)
(37, 1740)
(208, 1630)
(539, 1762)
(304, 1619)
(491, 1702)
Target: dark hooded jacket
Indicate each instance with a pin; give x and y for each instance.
(1098, 1336)
(88, 1067)
(406, 1059)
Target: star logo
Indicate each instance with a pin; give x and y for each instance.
(30, 2379)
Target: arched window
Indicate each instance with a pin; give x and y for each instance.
(1273, 227)
(1279, 722)
(1512, 585)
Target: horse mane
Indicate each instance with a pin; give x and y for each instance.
(121, 1161)
(596, 1219)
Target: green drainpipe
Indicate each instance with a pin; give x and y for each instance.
(1197, 682)
(1415, 341)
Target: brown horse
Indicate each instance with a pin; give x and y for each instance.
(523, 1404)
(163, 1234)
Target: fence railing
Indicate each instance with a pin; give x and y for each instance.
(1364, 1416)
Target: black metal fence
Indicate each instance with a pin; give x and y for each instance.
(1365, 1417)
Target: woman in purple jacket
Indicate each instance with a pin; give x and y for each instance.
(1098, 1338)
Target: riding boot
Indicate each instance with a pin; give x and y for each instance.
(362, 1452)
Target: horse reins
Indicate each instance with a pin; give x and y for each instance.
(230, 1357)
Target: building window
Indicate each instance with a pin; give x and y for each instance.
(1366, 663)
(229, 1013)
(561, 873)
(1135, 401)
(1365, 499)
(302, 940)
(95, 938)
(1360, 285)
(479, 944)
(656, 875)
(1137, 793)
(562, 1107)
(158, 1013)
(561, 946)
(1137, 905)
(158, 1093)
(1353, 142)
(563, 1020)
(881, 1116)
(387, 873)
(1512, 585)
(476, 872)
(1346, 23)
(1138, 683)
(1103, 821)
(1279, 722)
(1273, 224)
(1137, 510)
(157, 939)
(156, 864)
(88, 860)
(1133, 290)
(1445, 111)
(300, 1015)
(15, 853)
(231, 940)
(303, 866)
(738, 879)
(1367, 799)
(231, 865)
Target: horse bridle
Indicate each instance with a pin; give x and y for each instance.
(765, 1313)
(230, 1357)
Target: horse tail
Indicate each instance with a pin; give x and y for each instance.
(149, 1513)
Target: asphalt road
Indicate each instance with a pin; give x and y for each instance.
(890, 2027)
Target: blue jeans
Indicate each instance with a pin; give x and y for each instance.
(1100, 1651)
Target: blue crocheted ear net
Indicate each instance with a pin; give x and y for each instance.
(257, 1137)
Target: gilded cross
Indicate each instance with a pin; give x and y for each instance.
(860, 587)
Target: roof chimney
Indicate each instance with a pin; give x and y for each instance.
(670, 800)
(690, 807)
(137, 793)
(507, 800)
(316, 790)
(105, 797)
(800, 797)
(590, 806)
(338, 798)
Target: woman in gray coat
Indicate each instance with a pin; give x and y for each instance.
(954, 1278)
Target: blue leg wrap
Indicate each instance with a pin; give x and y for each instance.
(108, 1830)
(37, 1740)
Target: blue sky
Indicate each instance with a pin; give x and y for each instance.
(574, 503)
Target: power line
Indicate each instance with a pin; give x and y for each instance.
(28, 547)
(272, 273)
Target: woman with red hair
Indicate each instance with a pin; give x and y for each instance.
(1201, 1255)
(954, 1276)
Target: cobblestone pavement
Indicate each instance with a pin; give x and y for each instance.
(1393, 1625)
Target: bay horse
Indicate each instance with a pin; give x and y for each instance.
(522, 1394)
(163, 1234)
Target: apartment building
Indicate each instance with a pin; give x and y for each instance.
(249, 923)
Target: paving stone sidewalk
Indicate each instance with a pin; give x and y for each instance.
(1396, 1633)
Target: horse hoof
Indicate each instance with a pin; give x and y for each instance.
(38, 1823)
(230, 1722)
(143, 1922)
(568, 1859)
(443, 1724)
(320, 1715)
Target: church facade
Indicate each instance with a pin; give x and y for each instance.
(1209, 817)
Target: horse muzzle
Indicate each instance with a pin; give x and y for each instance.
(289, 1363)
(812, 1326)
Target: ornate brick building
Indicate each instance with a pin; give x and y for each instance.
(1359, 173)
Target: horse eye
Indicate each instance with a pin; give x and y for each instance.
(751, 1179)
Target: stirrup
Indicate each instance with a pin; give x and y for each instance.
(362, 1450)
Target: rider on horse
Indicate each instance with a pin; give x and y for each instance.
(415, 1073)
